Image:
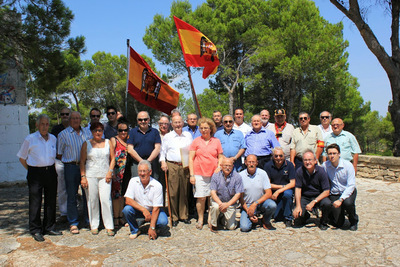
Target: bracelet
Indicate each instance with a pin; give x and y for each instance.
(110, 170)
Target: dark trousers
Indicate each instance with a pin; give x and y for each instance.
(42, 179)
(324, 205)
(298, 162)
(348, 205)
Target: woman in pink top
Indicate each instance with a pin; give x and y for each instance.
(204, 156)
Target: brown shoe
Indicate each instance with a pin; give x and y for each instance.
(268, 226)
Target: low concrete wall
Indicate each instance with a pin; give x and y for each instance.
(379, 168)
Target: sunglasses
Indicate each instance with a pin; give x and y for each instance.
(98, 130)
(95, 116)
(122, 130)
(228, 121)
(324, 117)
(278, 156)
(146, 119)
(303, 118)
(111, 113)
(64, 114)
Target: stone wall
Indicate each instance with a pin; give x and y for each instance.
(379, 168)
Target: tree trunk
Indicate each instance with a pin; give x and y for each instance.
(394, 110)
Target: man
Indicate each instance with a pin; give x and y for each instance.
(239, 123)
(325, 126)
(37, 155)
(94, 115)
(265, 118)
(163, 126)
(232, 142)
(283, 131)
(226, 189)
(61, 190)
(345, 140)
(144, 143)
(217, 118)
(306, 137)
(282, 177)
(192, 127)
(256, 196)
(343, 187)
(260, 141)
(110, 128)
(69, 144)
(312, 190)
(178, 176)
(144, 199)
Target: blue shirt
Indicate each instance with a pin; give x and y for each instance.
(342, 177)
(282, 175)
(226, 189)
(109, 131)
(346, 141)
(195, 133)
(312, 185)
(231, 144)
(254, 185)
(69, 143)
(261, 143)
(144, 143)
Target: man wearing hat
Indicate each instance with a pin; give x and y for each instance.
(282, 130)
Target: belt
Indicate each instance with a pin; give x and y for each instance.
(264, 157)
(174, 162)
(72, 162)
(43, 168)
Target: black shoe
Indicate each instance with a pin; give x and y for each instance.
(175, 223)
(323, 227)
(38, 237)
(353, 227)
(288, 223)
(53, 232)
(62, 219)
(186, 221)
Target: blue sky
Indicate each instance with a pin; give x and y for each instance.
(106, 26)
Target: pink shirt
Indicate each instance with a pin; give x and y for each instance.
(206, 158)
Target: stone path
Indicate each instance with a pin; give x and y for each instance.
(376, 243)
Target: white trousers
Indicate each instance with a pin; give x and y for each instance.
(99, 193)
(228, 219)
(61, 189)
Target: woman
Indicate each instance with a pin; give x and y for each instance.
(204, 155)
(121, 151)
(97, 166)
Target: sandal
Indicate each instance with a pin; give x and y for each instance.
(199, 225)
(110, 232)
(95, 231)
(74, 229)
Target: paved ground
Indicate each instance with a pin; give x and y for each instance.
(376, 243)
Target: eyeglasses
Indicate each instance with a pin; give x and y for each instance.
(278, 156)
(324, 117)
(95, 116)
(336, 125)
(163, 123)
(122, 130)
(64, 114)
(332, 154)
(110, 113)
(303, 118)
(146, 119)
(98, 130)
(231, 121)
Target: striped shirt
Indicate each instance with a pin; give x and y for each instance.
(70, 144)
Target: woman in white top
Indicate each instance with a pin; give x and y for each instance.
(97, 165)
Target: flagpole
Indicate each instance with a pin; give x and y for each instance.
(127, 76)
(196, 103)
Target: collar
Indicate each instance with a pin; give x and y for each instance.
(251, 175)
(231, 132)
(71, 130)
(339, 166)
(261, 130)
(140, 131)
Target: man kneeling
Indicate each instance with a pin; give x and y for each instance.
(143, 198)
(226, 188)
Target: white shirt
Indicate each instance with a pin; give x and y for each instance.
(149, 197)
(171, 145)
(244, 128)
(37, 151)
(324, 132)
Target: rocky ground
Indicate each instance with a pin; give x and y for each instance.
(376, 243)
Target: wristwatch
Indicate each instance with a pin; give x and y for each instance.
(153, 228)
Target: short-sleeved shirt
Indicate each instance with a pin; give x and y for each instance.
(206, 158)
(226, 189)
(149, 197)
(254, 186)
(69, 144)
(244, 128)
(260, 143)
(110, 131)
(346, 141)
(144, 143)
(342, 177)
(196, 133)
(37, 151)
(303, 141)
(231, 144)
(171, 145)
(312, 185)
(282, 175)
(325, 133)
(285, 138)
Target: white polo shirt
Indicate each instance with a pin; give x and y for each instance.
(37, 151)
(149, 197)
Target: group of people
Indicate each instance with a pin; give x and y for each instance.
(268, 170)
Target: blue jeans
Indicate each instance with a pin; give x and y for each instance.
(284, 206)
(131, 216)
(267, 209)
(72, 175)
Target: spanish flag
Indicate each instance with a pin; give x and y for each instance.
(147, 88)
(197, 49)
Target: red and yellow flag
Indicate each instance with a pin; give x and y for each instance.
(197, 49)
(147, 88)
